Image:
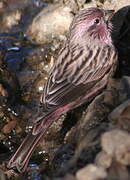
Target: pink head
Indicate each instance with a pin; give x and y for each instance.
(91, 24)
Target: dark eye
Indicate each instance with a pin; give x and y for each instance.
(97, 21)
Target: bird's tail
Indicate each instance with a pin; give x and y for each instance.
(21, 157)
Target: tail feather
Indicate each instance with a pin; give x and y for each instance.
(21, 158)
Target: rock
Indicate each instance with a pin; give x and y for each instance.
(3, 91)
(91, 124)
(91, 172)
(17, 14)
(118, 171)
(69, 147)
(42, 58)
(68, 177)
(2, 5)
(121, 35)
(27, 77)
(103, 159)
(121, 111)
(121, 116)
(11, 174)
(92, 3)
(98, 110)
(52, 22)
(2, 136)
(11, 19)
(116, 144)
(75, 5)
(119, 18)
(8, 127)
(2, 175)
(125, 83)
(115, 4)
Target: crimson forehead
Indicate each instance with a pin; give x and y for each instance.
(90, 13)
(86, 14)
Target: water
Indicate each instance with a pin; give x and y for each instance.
(34, 172)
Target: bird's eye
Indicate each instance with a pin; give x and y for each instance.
(97, 21)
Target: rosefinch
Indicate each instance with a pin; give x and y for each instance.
(81, 71)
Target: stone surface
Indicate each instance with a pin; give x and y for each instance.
(115, 4)
(116, 144)
(91, 172)
(52, 22)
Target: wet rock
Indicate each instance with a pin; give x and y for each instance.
(13, 61)
(62, 155)
(34, 172)
(3, 91)
(91, 172)
(35, 69)
(27, 77)
(8, 127)
(32, 88)
(42, 58)
(11, 19)
(13, 14)
(48, 24)
(11, 174)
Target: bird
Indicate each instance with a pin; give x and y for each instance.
(83, 67)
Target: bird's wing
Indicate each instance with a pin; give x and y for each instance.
(73, 72)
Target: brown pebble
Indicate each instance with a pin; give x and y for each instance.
(3, 92)
(8, 127)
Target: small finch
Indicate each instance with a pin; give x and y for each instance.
(81, 71)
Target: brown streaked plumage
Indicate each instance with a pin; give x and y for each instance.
(82, 69)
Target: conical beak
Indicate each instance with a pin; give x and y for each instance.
(108, 14)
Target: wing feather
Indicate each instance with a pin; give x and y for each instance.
(74, 71)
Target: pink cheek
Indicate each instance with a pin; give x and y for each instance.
(101, 30)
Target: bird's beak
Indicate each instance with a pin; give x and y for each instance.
(108, 14)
